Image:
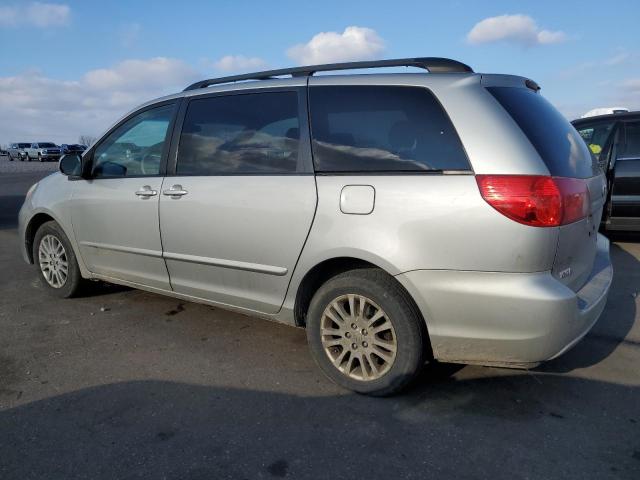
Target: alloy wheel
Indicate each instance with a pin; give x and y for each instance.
(358, 337)
(54, 264)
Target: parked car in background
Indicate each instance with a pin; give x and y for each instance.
(72, 148)
(399, 218)
(17, 151)
(43, 152)
(614, 140)
(604, 111)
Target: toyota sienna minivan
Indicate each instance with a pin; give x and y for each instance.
(399, 218)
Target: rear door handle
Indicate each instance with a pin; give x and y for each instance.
(175, 191)
(146, 192)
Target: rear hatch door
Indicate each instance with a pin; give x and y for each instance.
(566, 156)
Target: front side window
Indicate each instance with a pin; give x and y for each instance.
(595, 136)
(382, 129)
(255, 133)
(135, 147)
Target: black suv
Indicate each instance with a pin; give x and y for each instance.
(615, 142)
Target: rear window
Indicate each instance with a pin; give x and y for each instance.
(555, 139)
(382, 129)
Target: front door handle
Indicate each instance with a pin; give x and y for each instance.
(175, 191)
(146, 192)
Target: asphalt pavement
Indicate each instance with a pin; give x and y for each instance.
(126, 384)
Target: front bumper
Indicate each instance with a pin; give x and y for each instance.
(23, 218)
(507, 319)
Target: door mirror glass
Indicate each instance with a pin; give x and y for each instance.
(71, 165)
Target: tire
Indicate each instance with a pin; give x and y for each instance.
(40, 158)
(73, 280)
(382, 293)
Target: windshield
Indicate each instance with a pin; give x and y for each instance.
(551, 134)
(47, 145)
(24, 145)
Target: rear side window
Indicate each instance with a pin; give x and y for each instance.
(632, 146)
(382, 129)
(555, 139)
(240, 134)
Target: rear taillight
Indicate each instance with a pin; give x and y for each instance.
(536, 200)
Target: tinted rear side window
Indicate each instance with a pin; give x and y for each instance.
(557, 142)
(382, 129)
(632, 147)
(240, 134)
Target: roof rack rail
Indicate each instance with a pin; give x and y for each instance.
(432, 64)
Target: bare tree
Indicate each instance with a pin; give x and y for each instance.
(87, 140)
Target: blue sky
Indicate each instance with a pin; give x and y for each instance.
(72, 68)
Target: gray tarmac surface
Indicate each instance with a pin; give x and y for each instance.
(127, 384)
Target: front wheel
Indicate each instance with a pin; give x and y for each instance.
(40, 158)
(365, 333)
(54, 256)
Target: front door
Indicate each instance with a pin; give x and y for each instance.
(625, 179)
(235, 215)
(115, 213)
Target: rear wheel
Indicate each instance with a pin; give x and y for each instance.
(54, 256)
(365, 334)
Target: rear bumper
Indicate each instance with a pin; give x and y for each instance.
(507, 319)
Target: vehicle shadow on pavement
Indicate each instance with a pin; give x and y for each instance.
(615, 323)
(497, 427)
(9, 212)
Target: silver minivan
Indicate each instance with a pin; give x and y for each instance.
(400, 218)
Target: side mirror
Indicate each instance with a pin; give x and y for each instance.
(71, 165)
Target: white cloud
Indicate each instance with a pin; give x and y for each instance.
(617, 59)
(630, 89)
(35, 14)
(355, 43)
(35, 107)
(239, 63)
(48, 14)
(614, 60)
(519, 29)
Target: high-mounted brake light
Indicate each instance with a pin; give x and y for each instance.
(536, 200)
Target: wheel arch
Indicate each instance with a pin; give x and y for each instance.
(321, 272)
(34, 224)
(36, 220)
